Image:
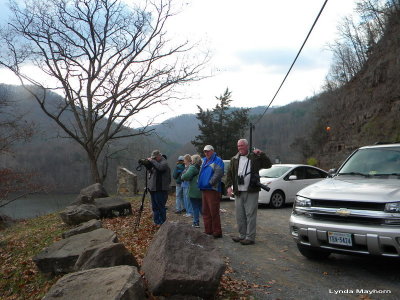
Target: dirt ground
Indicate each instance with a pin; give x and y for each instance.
(274, 269)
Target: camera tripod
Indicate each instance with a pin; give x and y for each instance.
(139, 215)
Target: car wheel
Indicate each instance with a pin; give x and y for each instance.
(312, 253)
(277, 199)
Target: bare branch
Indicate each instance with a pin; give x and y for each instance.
(110, 60)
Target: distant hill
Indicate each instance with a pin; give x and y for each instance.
(59, 162)
(184, 128)
(179, 130)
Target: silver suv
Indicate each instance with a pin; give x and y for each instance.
(357, 211)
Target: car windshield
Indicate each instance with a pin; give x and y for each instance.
(373, 162)
(274, 171)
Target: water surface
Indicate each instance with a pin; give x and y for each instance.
(36, 205)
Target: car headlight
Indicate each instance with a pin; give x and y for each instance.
(302, 202)
(393, 207)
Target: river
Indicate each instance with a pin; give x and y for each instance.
(36, 205)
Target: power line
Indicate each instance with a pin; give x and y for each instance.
(298, 53)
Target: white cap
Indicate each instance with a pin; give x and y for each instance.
(208, 148)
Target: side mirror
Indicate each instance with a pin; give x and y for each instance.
(292, 177)
(332, 172)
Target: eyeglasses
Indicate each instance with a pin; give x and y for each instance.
(205, 151)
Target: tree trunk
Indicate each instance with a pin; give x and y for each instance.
(94, 170)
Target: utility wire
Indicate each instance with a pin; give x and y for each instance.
(298, 53)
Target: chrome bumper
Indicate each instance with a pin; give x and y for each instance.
(366, 239)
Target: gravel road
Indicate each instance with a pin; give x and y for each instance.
(274, 269)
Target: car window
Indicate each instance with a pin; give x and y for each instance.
(312, 173)
(274, 171)
(300, 173)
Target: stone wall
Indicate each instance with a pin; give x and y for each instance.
(126, 182)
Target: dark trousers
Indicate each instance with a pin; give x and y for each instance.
(158, 201)
(211, 218)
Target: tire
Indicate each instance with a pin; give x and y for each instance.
(277, 199)
(313, 253)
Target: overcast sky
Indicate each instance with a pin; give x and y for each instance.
(253, 44)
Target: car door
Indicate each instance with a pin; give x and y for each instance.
(294, 185)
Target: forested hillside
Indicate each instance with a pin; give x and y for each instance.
(59, 162)
(367, 109)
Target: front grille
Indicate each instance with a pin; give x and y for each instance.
(348, 204)
(349, 219)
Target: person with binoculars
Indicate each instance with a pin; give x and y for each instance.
(244, 181)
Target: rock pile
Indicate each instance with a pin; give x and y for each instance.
(181, 261)
(93, 202)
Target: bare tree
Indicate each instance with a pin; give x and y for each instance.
(357, 39)
(109, 60)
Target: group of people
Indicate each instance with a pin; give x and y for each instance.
(199, 188)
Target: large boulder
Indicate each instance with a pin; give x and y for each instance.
(95, 190)
(182, 261)
(120, 282)
(88, 194)
(61, 256)
(113, 207)
(83, 199)
(105, 255)
(82, 228)
(77, 214)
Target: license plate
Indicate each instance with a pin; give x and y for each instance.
(340, 238)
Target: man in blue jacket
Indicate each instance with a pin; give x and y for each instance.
(211, 172)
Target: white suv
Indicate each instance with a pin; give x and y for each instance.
(357, 211)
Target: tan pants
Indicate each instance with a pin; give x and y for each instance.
(246, 205)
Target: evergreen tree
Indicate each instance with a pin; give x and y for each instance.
(221, 127)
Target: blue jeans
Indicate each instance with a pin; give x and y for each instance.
(186, 200)
(196, 204)
(179, 205)
(158, 201)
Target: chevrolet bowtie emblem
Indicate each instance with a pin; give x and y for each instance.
(344, 212)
